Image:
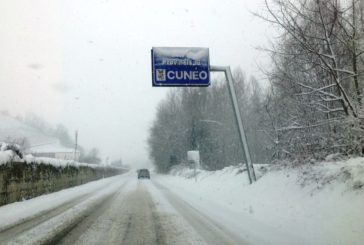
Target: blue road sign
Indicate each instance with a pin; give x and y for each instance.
(180, 67)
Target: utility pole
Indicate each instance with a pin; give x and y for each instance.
(75, 154)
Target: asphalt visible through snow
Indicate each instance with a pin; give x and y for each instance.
(127, 218)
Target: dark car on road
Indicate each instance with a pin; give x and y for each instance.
(143, 174)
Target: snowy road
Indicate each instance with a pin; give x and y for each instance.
(219, 208)
(123, 210)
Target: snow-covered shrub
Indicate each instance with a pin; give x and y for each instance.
(13, 147)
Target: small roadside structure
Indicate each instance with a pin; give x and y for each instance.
(54, 150)
(193, 158)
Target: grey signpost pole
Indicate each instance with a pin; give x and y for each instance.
(239, 122)
(177, 73)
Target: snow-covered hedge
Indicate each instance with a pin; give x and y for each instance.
(27, 177)
(12, 153)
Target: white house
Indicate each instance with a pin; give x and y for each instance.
(54, 150)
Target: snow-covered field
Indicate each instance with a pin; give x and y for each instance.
(312, 204)
(14, 129)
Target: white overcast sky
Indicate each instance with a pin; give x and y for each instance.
(86, 63)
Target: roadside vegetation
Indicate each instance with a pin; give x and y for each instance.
(312, 108)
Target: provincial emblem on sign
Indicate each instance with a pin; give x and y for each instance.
(161, 75)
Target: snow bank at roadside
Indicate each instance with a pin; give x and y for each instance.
(310, 204)
(18, 212)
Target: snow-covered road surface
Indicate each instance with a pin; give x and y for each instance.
(117, 210)
(219, 208)
(144, 212)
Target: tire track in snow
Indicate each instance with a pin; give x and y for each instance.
(49, 231)
(210, 231)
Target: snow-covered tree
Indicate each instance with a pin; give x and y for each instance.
(317, 79)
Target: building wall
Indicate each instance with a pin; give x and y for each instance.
(58, 155)
(67, 155)
(44, 154)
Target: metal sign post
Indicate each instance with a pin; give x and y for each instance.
(239, 122)
(190, 67)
